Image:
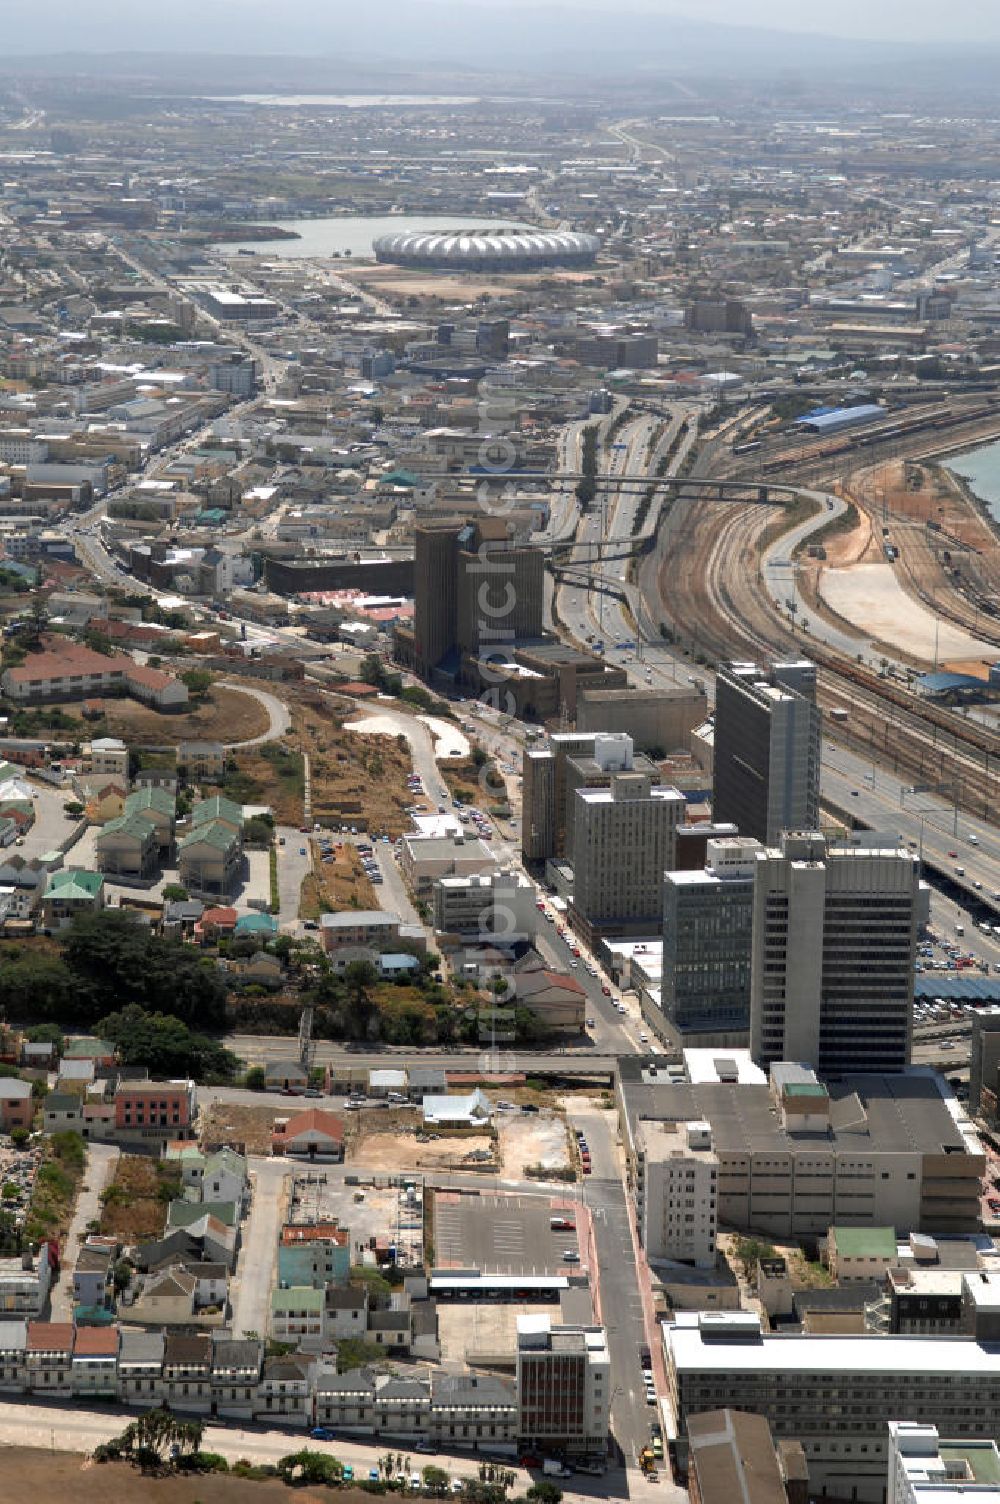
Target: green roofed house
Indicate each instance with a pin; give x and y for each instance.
(261, 925)
(210, 859)
(861, 1253)
(69, 892)
(217, 808)
(159, 807)
(298, 1316)
(183, 1213)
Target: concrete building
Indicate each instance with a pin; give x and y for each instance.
(767, 749)
(595, 768)
(71, 891)
(984, 1063)
(834, 941)
(128, 847)
(836, 1395)
(923, 1469)
(495, 907)
(657, 720)
(796, 1157)
(473, 592)
(679, 1210)
(623, 842)
(732, 1455)
(425, 859)
(543, 794)
(707, 944)
(109, 755)
(563, 1380)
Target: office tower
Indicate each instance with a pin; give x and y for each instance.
(472, 593)
(834, 940)
(550, 777)
(594, 768)
(707, 942)
(563, 1381)
(984, 1064)
(623, 842)
(434, 593)
(767, 749)
(719, 316)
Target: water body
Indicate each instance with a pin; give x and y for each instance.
(340, 101)
(355, 232)
(981, 468)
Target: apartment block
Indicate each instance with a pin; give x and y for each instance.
(834, 941)
(767, 749)
(492, 907)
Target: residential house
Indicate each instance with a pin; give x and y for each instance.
(298, 1316)
(370, 927)
(285, 1390)
(558, 1002)
(17, 1107)
(258, 927)
(218, 1238)
(214, 924)
(346, 1312)
(68, 892)
(25, 1280)
(38, 1055)
(207, 1239)
(23, 884)
(180, 916)
(140, 1367)
(391, 1329)
(402, 1407)
(286, 1075)
(210, 859)
(103, 797)
(13, 1356)
(128, 847)
(262, 969)
(159, 807)
(49, 1357)
(62, 1112)
(92, 1273)
(94, 1366)
(109, 756)
(181, 1297)
(346, 1401)
(395, 964)
(312, 1135)
(236, 1369)
(219, 1176)
(89, 1047)
(202, 759)
(314, 1253)
(187, 1372)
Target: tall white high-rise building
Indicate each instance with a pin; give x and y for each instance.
(834, 940)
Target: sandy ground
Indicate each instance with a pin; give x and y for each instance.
(403, 1151)
(35, 1474)
(532, 1140)
(870, 597)
(230, 1122)
(448, 740)
(228, 715)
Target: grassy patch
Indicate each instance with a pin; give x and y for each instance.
(134, 1205)
(59, 1179)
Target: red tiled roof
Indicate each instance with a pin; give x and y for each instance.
(311, 1232)
(50, 1336)
(314, 1117)
(96, 1342)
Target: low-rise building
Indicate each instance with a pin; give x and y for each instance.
(312, 1135)
(924, 1469)
(563, 1380)
(732, 1455)
(48, 1365)
(25, 1281)
(285, 1392)
(187, 1372)
(369, 927)
(861, 1253)
(236, 1369)
(314, 1253)
(68, 892)
(17, 1106)
(94, 1369)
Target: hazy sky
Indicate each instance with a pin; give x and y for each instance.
(257, 25)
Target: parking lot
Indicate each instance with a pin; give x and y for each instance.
(505, 1234)
(52, 824)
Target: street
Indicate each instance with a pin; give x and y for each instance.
(254, 1278)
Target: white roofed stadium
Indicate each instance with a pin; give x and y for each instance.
(487, 250)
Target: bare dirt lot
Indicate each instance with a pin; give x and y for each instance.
(398, 282)
(871, 597)
(539, 1139)
(336, 884)
(134, 1205)
(228, 715)
(388, 1149)
(356, 779)
(230, 1123)
(67, 1475)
